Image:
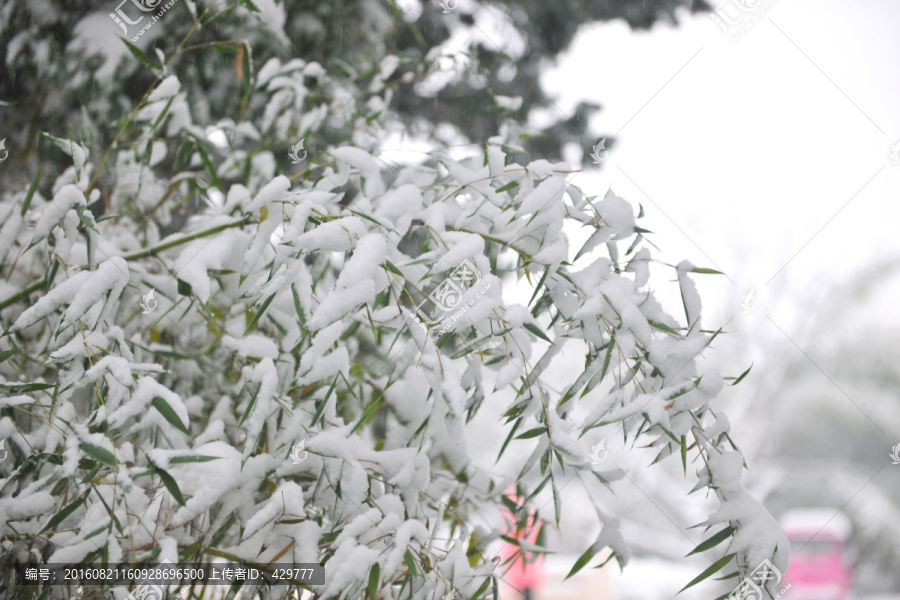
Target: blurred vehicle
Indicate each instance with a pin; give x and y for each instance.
(821, 567)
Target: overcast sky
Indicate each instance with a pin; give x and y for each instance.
(766, 157)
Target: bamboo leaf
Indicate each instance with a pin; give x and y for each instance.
(7, 353)
(536, 331)
(193, 458)
(210, 169)
(25, 387)
(31, 189)
(539, 285)
(531, 433)
(169, 414)
(141, 56)
(583, 560)
(663, 327)
(713, 541)
(717, 566)
(706, 271)
(170, 484)
(65, 512)
(101, 454)
(509, 438)
(259, 313)
(736, 381)
(374, 580)
(410, 563)
(249, 5)
(297, 306)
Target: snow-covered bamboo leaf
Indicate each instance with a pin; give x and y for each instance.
(101, 454)
(712, 570)
(713, 541)
(169, 414)
(65, 512)
(170, 484)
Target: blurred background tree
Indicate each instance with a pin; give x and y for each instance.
(490, 50)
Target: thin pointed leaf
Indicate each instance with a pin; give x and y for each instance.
(410, 563)
(65, 512)
(170, 484)
(717, 566)
(259, 313)
(193, 458)
(742, 375)
(374, 580)
(531, 433)
(31, 189)
(169, 414)
(713, 541)
(583, 560)
(706, 271)
(536, 331)
(141, 56)
(101, 454)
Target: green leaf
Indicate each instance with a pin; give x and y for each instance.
(247, 68)
(101, 454)
(142, 58)
(192, 458)
(31, 190)
(249, 5)
(606, 360)
(684, 453)
(706, 271)
(583, 560)
(297, 306)
(230, 48)
(663, 327)
(210, 169)
(65, 512)
(585, 376)
(532, 433)
(51, 276)
(4, 355)
(507, 187)
(86, 219)
(713, 541)
(736, 381)
(509, 438)
(536, 331)
(717, 566)
(25, 387)
(184, 288)
(250, 405)
(320, 406)
(183, 155)
(169, 414)
(393, 268)
(162, 115)
(374, 580)
(410, 563)
(170, 484)
(259, 313)
(539, 285)
(373, 406)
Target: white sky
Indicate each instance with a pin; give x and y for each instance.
(754, 145)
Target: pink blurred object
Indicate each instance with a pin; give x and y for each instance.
(527, 571)
(819, 568)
